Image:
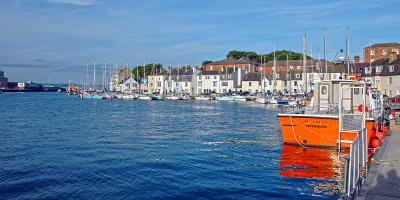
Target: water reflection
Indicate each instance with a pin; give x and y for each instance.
(315, 163)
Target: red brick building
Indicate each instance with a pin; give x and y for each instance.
(246, 65)
(380, 51)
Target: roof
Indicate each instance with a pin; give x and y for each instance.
(385, 68)
(209, 73)
(252, 76)
(295, 62)
(233, 61)
(377, 45)
(230, 70)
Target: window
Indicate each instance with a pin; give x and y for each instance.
(249, 84)
(383, 52)
(324, 90)
(356, 90)
(159, 84)
(229, 76)
(186, 84)
(225, 84)
(295, 83)
(277, 75)
(215, 77)
(377, 80)
(223, 76)
(378, 69)
(298, 67)
(199, 84)
(215, 83)
(297, 75)
(391, 68)
(207, 77)
(372, 52)
(151, 84)
(334, 76)
(390, 80)
(211, 67)
(372, 60)
(397, 51)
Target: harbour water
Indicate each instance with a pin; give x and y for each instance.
(54, 146)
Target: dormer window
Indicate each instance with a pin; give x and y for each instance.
(378, 69)
(391, 68)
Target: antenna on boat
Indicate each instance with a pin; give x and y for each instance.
(325, 67)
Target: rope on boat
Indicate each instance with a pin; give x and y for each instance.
(294, 134)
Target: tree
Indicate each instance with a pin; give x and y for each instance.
(251, 56)
(237, 54)
(204, 63)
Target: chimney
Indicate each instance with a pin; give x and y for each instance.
(356, 59)
(392, 56)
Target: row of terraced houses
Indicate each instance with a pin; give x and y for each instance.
(232, 75)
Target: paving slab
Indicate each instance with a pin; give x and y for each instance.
(383, 179)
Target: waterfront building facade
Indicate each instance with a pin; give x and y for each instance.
(246, 65)
(130, 86)
(3, 80)
(380, 51)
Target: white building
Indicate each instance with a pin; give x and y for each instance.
(130, 86)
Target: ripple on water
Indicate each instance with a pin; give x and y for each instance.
(54, 146)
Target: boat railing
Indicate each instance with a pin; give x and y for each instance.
(356, 165)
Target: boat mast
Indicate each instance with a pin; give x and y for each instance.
(144, 75)
(348, 53)
(94, 75)
(287, 65)
(290, 72)
(105, 74)
(274, 68)
(304, 78)
(325, 67)
(261, 73)
(87, 74)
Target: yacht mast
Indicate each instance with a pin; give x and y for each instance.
(304, 78)
(274, 68)
(94, 74)
(325, 67)
(348, 53)
(87, 74)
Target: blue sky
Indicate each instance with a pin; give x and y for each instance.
(52, 40)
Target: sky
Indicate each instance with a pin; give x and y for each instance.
(54, 40)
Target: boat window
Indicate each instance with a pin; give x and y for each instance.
(356, 91)
(324, 90)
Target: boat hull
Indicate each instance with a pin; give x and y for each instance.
(317, 131)
(224, 98)
(93, 97)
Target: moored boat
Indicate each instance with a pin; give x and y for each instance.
(336, 112)
(225, 98)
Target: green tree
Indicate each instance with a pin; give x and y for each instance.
(237, 54)
(204, 63)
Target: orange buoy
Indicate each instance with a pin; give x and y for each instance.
(385, 129)
(380, 135)
(373, 134)
(375, 143)
(393, 113)
(360, 108)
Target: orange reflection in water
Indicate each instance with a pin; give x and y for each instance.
(315, 163)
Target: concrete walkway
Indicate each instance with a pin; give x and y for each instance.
(383, 179)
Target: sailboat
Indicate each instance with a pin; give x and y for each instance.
(92, 94)
(171, 96)
(273, 99)
(143, 96)
(262, 99)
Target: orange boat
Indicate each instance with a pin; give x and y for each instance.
(323, 124)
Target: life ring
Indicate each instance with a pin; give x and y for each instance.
(360, 108)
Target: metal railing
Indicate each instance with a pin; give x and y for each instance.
(356, 164)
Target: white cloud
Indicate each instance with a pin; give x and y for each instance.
(74, 2)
